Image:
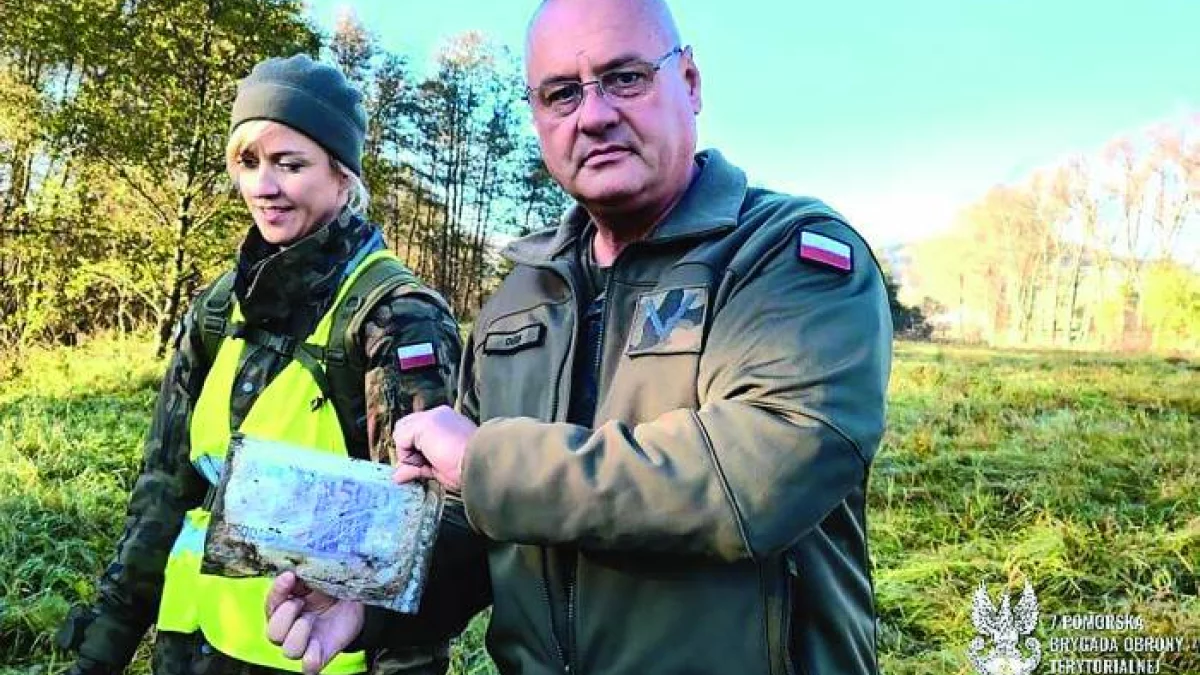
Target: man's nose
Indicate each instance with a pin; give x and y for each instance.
(596, 113)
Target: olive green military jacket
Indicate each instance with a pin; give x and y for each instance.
(712, 519)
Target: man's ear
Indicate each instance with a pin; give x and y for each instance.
(691, 78)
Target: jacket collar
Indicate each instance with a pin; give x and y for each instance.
(287, 289)
(711, 204)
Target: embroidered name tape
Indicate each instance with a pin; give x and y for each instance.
(419, 355)
(514, 341)
(825, 251)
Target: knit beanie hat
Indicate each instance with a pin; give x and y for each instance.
(312, 98)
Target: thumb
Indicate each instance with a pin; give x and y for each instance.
(313, 660)
(281, 591)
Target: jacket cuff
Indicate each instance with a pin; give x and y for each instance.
(104, 643)
(464, 470)
(473, 475)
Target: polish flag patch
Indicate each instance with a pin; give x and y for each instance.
(419, 355)
(825, 251)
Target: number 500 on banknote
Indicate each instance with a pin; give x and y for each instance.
(341, 524)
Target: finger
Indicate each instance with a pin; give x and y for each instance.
(297, 640)
(319, 601)
(405, 432)
(281, 590)
(405, 473)
(314, 659)
(413, 458)
(301, 589)
(279, 624)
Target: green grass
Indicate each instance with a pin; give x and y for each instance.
(1079, 472)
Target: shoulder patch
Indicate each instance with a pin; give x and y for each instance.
(823, 251)
(417, 355)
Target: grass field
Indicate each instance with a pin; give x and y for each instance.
(1080, 473)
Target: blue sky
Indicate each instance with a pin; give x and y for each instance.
(896, 113)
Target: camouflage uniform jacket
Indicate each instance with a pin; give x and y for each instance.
(710, 516)
(284, 291)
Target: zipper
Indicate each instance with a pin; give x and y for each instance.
(564, 382)
(570, 620)
(597, 358)
(562, 654)
(597, 355)
(566, 653)
(569, 274)
(790, 571)
(570, 556)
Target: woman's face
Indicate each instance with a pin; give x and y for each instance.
(289, 183)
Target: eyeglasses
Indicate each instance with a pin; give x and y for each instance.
(625, 83)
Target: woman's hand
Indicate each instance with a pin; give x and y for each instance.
(309, 624)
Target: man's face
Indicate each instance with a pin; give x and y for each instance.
(614, 155)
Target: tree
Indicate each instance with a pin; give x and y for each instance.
(1171, 309)
(1083, 251)
(155, 113)
(114, 203)
(468, 122)
(908, 322)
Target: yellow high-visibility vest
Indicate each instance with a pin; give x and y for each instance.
(230, 612)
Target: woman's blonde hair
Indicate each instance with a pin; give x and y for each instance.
(248, 133)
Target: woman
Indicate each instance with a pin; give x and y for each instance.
(254, 355)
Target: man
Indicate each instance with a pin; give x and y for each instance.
(679, 391)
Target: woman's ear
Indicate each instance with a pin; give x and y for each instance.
(343, 176)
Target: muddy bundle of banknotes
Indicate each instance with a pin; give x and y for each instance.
(341, 524)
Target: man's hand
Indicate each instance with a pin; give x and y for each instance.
(308, 624)
(431, 445)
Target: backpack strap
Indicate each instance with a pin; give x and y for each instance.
(345, 358)
(213, 316)
(342, 377)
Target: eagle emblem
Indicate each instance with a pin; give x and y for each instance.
(1004, 626)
